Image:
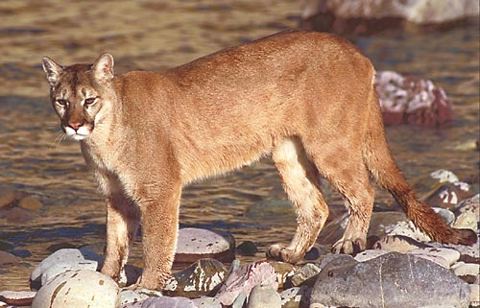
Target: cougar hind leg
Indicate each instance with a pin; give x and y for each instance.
(346, 171)
(300, 181)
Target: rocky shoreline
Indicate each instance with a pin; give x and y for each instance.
(402, 267)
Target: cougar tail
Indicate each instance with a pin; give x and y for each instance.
(382, 166)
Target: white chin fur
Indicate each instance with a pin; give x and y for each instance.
(81, 134)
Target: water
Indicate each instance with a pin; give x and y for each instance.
(153, 36)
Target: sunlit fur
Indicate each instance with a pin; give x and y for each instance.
(305, 98)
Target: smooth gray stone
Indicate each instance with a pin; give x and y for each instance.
(168, 302)
(390, 280)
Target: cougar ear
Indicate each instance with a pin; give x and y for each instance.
(52, 69)
(103, 67)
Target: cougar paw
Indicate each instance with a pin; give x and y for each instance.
(349, 246)
(280, 252)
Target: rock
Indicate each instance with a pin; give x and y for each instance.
(447, 215)
(7, 258)
(247, 248)
(30, 203)
(448, 255)
(283, 270)
(407, 229)
(244, 279)
(295, 297)
(16, 215)
(61, 260)
(336, 259)
(5, 245)
(369, 254)
(391, 280)
(129, 275)
(131, 297)
(240, 301)
(471, 205)
(316, 252)
(411, 100)
(375, 15)
(198, 279)
(444, 176)
(167, 302)
(474, 295)
(448, 195)
(7, 198)
(22, 253)
(207, 302)
(59, 268)
(398, 243)
(305, 275)
(78, 288)
(467, 220)
(261, 297)
(17, 298)
(195, 244)
(464, 269)
(381, 221)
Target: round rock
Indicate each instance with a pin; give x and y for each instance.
(194, 244)
(17, 298)
(30, 203)
(79, 288)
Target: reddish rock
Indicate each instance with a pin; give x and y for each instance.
(411, 100)
(17, 298)
(7, 198)
(7, 258)
(30, 203)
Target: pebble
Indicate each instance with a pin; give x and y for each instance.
(30, 203)
(207, 302)
(243, 279)
(474, 295)
(247, 248)
(167, 302)
(369, 254)
(398, 243)
(131, 297)
(443, 175)
(59, 268)
(448, 195)
(467, 220)
(283, 270)
(464, 269)
(295, 297)
(264, 296)
(408, 229)
(198, 279)
(78, 288)
(305, 275)
(7, 198)
(17, 298)
(447, 215)
(316, 252)
(469, 205)
(63, 259)
(194, 244)
(390, 280)
(7, 258)
(448, 256)
(17, 215)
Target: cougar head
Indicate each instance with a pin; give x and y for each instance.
(79, 93)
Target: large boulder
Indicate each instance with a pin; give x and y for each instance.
(390, 280)
(369, 15)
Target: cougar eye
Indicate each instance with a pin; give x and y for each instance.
(62, 103)
(89, 101)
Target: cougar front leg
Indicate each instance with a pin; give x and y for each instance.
(122, 224)
(159, 217)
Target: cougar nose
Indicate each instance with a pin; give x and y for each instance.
(75, 125)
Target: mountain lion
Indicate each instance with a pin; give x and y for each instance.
(305, 98)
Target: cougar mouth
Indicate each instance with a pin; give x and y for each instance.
(81, 133)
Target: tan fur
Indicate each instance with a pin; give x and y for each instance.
(306, 98)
